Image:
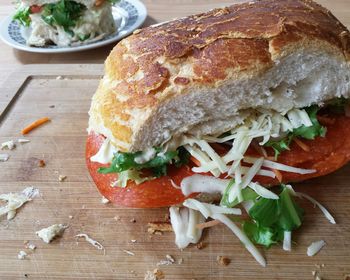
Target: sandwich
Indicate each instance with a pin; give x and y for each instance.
(208, 112)
(65, 22)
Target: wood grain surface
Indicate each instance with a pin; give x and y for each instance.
(158, 10)
(34, 92)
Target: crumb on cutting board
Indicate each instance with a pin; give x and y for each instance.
(51, 232)
(222, 260)
(62, 178)
(154, 227)
(21, 255)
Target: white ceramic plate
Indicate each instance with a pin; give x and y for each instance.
(127, 14)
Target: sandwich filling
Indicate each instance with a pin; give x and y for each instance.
(65, 22)
(234, 165)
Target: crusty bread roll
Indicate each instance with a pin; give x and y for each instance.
(202, 74)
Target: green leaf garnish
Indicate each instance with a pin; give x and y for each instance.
(260, 235)
(22, 16)
(247, 194)
(158, 165)
(64, 13)
(272, 217)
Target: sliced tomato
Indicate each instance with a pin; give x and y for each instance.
(325, 156)
(34, 9)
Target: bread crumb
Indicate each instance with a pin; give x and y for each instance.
(150, 276)
(51, 232)
(168, 260)
(70, 217)
(133, 220)
(159, 227)
(41, 163)
(313, 273)
(21, 255)
(318, 278)
(133, 240)
(104, 200)
(225, 261)
(180, 261)
(61, 178)
(8, 145)
(200, 245)
(117, 218)
(59, 78)
(31, 246)
(158, 273)
(4, 157)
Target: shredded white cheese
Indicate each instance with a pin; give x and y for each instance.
(204, 184)
(4, 157)
(322, 208)
(22, 255)
(22, 141)
(280, 166)
(208, 209)
(287, 241)
(129, 252)
(8, 145)
(263, 192)
(184, 221)
(51, 232)
(315, 247)
(94, 243)
(218, 215)
(16, 200)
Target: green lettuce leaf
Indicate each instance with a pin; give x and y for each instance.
(64, 13)
(272, 217)
(158, 165)
(22, 16)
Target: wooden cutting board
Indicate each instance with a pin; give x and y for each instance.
(63, 93)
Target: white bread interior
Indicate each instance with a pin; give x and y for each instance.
(294, 61)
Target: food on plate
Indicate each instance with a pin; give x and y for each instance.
(211, 109)
(65, 22)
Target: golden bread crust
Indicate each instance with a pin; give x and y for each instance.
(203, 51)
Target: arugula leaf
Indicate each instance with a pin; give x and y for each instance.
(83, 37)
(22, 16)
(64, 13)
(271, 218)
(313, 131)
(158, 165)
(279, 145)
(261, 235)
(247, 194)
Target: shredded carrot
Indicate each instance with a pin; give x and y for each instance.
(195, 161)
(35, 124)
(302, 145)
(208, 224)
(278, 175)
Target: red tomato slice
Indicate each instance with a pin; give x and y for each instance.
(326, 155)
(34, 9)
